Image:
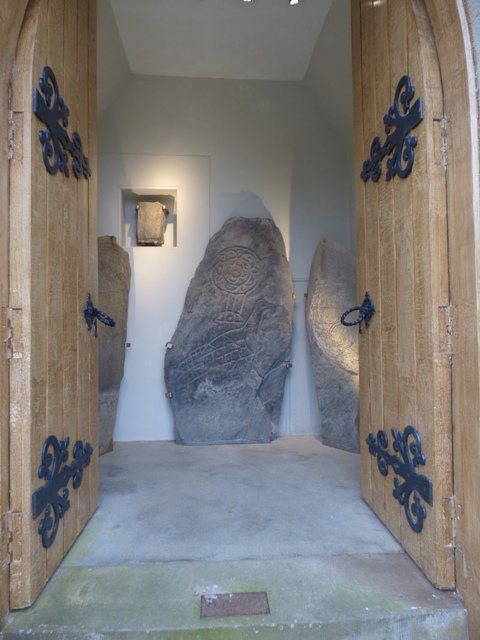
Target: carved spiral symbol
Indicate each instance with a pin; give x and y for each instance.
(236, 270)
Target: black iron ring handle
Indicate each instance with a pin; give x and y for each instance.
(360, 318)
(366, 311)
(92, 314)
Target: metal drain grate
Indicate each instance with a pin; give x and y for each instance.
(221, 605)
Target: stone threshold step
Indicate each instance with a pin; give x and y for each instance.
(379, 597)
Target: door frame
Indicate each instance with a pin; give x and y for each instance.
(454, 47)
(11, 18)
(450, 26)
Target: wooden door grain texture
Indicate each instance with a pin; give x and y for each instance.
(11, 17)
(402, 240)
(461, 153)
(53, 380)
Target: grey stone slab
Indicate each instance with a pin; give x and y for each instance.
(113, 290)
(227, 365)
(332, 289)
(340, 598)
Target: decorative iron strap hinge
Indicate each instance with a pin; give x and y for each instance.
(12, 333)
(450, 518)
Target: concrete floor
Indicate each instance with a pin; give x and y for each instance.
(286, 518)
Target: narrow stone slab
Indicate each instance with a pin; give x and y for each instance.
(227, 365)
(113, 289)
(332, 289)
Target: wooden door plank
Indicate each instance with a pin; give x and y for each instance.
(12, 16)
(39, 321)
(387, 272)
(360, 153)
(374, 371)
(93, 243)
(28, 372)
(70, 267)
(70, 262)
(452, 34)
(55, 188)
(402, 195)
(84, 286)
(431, 292)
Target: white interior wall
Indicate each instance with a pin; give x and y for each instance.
(229, 147)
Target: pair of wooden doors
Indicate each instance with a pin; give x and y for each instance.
(402, 261)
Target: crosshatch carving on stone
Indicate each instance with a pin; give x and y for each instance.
(235, 272)
(230, 347)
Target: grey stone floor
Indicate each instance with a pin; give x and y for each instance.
(162, 502)
(286, 518)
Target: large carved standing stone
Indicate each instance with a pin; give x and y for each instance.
(113, 290)
(334, 347)
(227, 364)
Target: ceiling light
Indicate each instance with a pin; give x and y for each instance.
(292, 2)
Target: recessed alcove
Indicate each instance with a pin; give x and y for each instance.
(130, 197)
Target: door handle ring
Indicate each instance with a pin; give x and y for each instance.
(366, 312)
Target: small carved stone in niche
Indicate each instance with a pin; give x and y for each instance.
(151, 218)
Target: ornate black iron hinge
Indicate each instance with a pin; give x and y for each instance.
(92, 314)
(47, 499)
(365, 313)
(411, 457)
(398, 142)
(56, 143)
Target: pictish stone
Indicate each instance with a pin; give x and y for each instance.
(113, 290)
(332, 289)
(151, 218)
(227, 364)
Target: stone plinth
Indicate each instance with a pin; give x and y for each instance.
(113, 290)
(227, 365)
(334, 347)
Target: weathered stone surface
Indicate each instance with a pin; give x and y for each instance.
(151, 223)
(226, 369)
(334, 348)
(113, 290)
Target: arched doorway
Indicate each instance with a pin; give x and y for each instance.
(458, 81)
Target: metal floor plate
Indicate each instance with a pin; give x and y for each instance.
(221, 605)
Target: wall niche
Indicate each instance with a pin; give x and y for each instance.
(130, 197)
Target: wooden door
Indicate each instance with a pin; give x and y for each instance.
(402, 237)
(53, 266)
